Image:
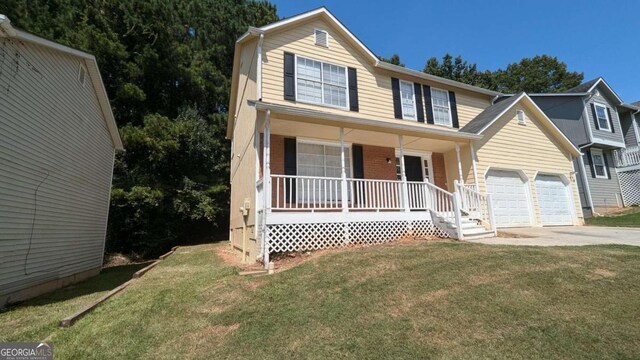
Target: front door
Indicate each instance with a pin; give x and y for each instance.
(413, 168)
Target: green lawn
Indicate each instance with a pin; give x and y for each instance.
(36, 319)
(448, 300)
(631, 219)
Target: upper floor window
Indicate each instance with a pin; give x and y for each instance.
(603, 117)
(408, 99)
(441, 107)
(321, 83)
(599, 165)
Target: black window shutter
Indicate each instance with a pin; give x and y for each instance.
(353, 90)
(289, 77)
(606, 164)
(290, 167)
(590, 161)
(358, 170)
(613, 130)
(454, 109)
(358, 162)
(595, 115)
(427, 103)
(417, 89)
(397, 106)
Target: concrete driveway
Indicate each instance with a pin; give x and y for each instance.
(565, 236)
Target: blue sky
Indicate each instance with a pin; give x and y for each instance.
(599, 38)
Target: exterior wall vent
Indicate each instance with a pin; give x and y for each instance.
(82, 75)
(322, 38)
(522, 120)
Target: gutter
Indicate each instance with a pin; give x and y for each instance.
(259, 68)
(420, 74)
(5, 26)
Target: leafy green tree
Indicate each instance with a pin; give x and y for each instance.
(539, 74)
(167, 69)
(394, 59)
(459, 70)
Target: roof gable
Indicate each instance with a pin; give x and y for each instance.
(92, 70)
(490, 115)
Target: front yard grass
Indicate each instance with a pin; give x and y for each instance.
(451, 300)
(35, 319)
(630, 219)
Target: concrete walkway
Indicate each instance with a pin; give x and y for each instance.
(565, 236)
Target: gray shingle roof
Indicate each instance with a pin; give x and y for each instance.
(637, 103)
(489, 114)
(584, 87)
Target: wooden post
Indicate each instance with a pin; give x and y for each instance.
(403, 176)
(474, 164)
(266, 183)
(343, 174)
(267, 162)
(459, 163)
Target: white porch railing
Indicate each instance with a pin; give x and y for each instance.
(627, 157)
(304, 193)
(367, 194)
(475, 204)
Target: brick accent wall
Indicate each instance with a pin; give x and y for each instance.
(439, 170)
(375, 162)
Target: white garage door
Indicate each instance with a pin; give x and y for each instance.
(510, 202)
(553, 200)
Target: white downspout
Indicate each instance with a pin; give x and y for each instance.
(259, 69)
(585, 182)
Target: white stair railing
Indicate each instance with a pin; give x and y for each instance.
(475, 204)
(627, 157)
(442, 204)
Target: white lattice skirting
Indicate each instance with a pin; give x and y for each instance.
(630, 187)
(313, 236)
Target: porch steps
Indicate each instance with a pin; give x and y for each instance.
(471, 230)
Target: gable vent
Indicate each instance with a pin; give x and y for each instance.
(522, 120)
(82, 75)
(322, 38)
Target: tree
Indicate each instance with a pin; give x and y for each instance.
(539, 74)
(167, 69)
(394, 59)
(459, 70)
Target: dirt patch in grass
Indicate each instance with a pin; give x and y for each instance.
(601, 274)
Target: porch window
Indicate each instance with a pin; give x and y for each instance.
(441, 108)
(598, 163)
(321, 83)
(321, 161)
(603, 117)
(408, 100)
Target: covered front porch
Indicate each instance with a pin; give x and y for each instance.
(329, 183)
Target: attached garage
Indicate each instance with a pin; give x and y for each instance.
(554, 201)
(510, 198)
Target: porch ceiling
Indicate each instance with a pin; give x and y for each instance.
(357, 136)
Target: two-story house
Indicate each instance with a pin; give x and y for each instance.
(627, 160)
(589, 116)
(331, 146)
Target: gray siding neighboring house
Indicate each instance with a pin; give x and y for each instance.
(57, 143)
(573, 113)
(630, 123)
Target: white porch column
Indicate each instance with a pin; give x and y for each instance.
(343, 174)
(473, 163)
(459, 163)
(266, 159)
(403, 176)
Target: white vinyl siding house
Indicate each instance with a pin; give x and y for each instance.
(57, 144)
